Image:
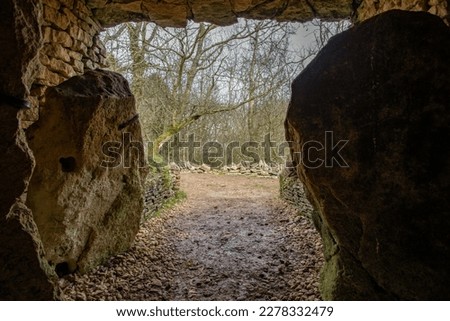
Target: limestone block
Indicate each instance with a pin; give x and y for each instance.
(75, 55)
(56, 18)
(80, 47)
(216, 11)
(442, 11)
(55, 50)
(331, 9)
(29, 115)
(89, 64)
(80, 34)
(45, 61)
(92, 23)
(38, 90)
(81, 9)
(369, 9)
(84, 25)
(240, 5)
(56, 36)
(166, 14)
(382, 199)
(55, 4)
(296, 11)
(48, 78)
(99, 45)
(70, 15)
(60, 67)
(86, 211)
(78, 66)
(97, 3)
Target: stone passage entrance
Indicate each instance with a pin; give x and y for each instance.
(400, 152)
(231, 239)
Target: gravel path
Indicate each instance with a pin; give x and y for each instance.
(232, 239)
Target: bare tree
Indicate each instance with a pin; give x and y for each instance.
(236, 79)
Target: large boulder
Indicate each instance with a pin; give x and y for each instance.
(369, 121)
(24, 274)
(86, 192)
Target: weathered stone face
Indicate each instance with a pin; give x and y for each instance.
(86, 211)
(383, 86)
(21, 40)
(175, 13)
(70, 43)
(23, 273)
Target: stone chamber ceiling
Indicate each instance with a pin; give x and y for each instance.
(49, 82)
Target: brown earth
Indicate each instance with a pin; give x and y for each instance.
(232, 239)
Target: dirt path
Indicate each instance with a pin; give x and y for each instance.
(232, 239)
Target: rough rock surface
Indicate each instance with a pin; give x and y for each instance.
(221, 12)
(293, 192)
(370, 8)
(71, 44)
(23, 274)
(86, 197)
(175, 13)
(232, 239)
(21, 40)
(383, 86)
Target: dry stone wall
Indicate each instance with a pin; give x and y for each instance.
(293, 191)
(160, 187)
(71, 44)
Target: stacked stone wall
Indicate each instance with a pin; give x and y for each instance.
(160, 187)
(71, 46)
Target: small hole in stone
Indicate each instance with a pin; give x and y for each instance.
(62, 269)
(67, 164)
